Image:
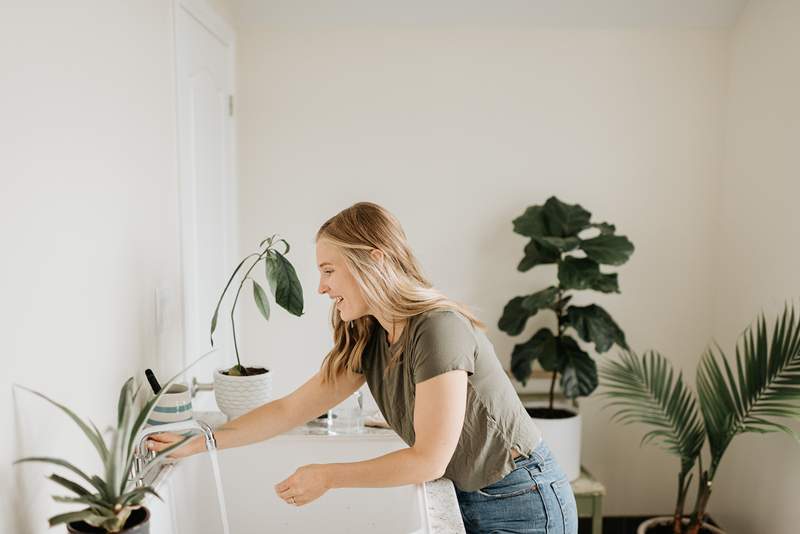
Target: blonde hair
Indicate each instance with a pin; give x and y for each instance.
(397, 286)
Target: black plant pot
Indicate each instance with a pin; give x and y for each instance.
(138, 523)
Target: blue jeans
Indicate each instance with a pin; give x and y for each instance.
(534, 498)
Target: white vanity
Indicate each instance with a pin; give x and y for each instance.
(250, 473)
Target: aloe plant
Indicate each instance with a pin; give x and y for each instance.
(557, 236)
(283, 284)
(109, 497)
(763, 388)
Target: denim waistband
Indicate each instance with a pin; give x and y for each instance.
(540, 452)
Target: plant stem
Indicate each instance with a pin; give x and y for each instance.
(242, 369)
(559, 309)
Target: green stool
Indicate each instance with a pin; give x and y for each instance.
(589, 495)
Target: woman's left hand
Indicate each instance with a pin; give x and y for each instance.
(306, 484)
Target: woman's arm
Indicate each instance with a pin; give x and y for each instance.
(439, 407)
(271, 419)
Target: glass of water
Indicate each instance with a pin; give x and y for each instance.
(348, 416)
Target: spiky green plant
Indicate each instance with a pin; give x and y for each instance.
(763, 388)
(554, 230)
(109, 497)
(283, 283)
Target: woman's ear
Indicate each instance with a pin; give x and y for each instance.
(377, 255)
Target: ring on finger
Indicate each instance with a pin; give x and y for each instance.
(292, 500)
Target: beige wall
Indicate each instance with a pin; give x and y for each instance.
(456, 130)
(757, 258)
(88, 222)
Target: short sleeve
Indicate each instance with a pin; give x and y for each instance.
(444, 341)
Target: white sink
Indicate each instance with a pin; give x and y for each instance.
(250, 473)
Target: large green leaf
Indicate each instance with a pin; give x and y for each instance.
(584, 273)
(564, 220)
(531, 223)
(578, 370)
(542, 347)
(595, 325)
(284, 284)
(260, 296)
(538, 253)
(519, 309)
(608, 249)
(646, 390)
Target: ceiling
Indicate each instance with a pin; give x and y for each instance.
(528, 13)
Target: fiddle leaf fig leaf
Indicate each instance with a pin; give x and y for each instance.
(519, 309)
(608, 249)
(584, 273)
(578, 370)
(531, 223)
(564, 220)
(542, 347)
(595, 325)
(538, 253)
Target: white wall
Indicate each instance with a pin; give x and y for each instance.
(88, 222)
(757, 258)
(456, 129)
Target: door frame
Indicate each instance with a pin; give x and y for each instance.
(205, 15)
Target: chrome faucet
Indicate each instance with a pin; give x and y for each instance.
(143, 456)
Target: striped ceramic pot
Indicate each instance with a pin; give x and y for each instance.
(237, 395)
(174, 406)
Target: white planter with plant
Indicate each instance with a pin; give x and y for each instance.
(753, 394)
(558, 236)
(239, 389)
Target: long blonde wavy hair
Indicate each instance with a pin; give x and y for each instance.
(397, 287)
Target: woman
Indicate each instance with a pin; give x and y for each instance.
(436, 379)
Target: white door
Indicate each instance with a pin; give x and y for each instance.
(204, 46)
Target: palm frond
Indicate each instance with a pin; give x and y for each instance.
(646, 390)
(764, 386)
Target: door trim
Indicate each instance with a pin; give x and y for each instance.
(205, 15)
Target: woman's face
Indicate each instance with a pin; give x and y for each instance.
(336, 281)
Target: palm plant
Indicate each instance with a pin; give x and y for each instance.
(763, 388)
(111, 497)
(283, 283)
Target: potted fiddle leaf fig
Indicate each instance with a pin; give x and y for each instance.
(112, 501)
(563, 235)
(239, 389)
(757, 393)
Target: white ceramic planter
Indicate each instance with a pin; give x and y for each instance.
(665, 520)
(563, 437)
(237, 395)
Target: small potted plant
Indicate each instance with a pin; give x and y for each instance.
(763, 387)
(558, 236)
(113, 501)
(239, 389)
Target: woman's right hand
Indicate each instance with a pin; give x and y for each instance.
(159, 442)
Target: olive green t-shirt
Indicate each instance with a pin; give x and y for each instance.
(495, 420)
